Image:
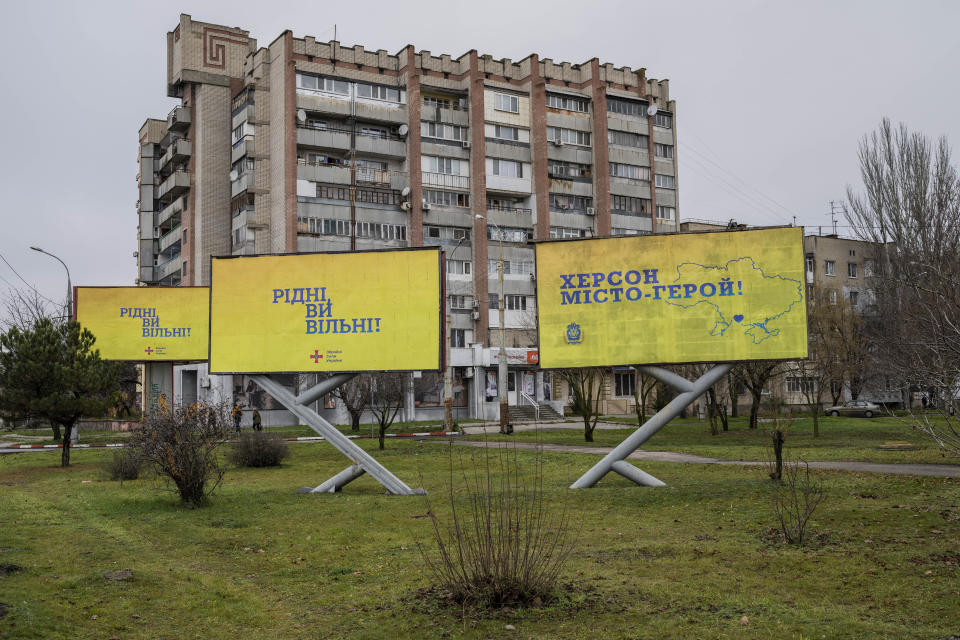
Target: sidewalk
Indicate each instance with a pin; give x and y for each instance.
(936, 470)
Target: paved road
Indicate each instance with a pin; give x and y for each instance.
(937, 470)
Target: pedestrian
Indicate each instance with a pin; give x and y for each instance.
(257, 426)
(237, 414)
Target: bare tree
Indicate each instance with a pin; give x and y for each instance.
(755, 376)
(355, 396)
(911, 210)
(642, 388)
(586, 389)
(386, 399)
(23, 308)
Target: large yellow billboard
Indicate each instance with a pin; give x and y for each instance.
(358, 311)
(146, 324)
(659, 299)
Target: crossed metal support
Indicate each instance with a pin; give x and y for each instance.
(616, 459)
(362, 462)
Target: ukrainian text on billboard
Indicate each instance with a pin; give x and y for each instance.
(359, 311)
(146, 323)
(700, 297)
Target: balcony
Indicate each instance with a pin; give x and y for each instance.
(509, 210)
(169, 239)
(169, 269)
(323, 138)
(448, 180)
(243, 182)
(242, 147)
(178, 151)
(505, 184)
(175, 185)
(377, 143)
(169, 211)
(178, 119)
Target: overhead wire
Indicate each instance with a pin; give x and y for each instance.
(757, 205)
(33, 288)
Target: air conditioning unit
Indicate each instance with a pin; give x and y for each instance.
(591, 211)
(559, 143)
(426, 206)
(476, 315)
(533, 277)
(476, 304)
(136, 281)
(136, 254)
(468, 372)
(156, 233)
(466, 144)
(205, 382)
(405, 205)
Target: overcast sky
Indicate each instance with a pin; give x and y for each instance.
(772, 97)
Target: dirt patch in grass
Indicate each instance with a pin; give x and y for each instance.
(7, 569)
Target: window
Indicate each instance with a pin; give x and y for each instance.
(446, 198)
(559, 169)
(380, 231)
(663, 150)
(330, 85)
(378, 92)
(666, 213)
(568, 136)
(627, 139)
(801, 384)
(241, 132)
(810, 264)
(568, 103)
(458, 338)
(621, 231)
(510, 267)
(459, 267)
(493, 301)
(567, 232)
(506, 102)
(460, 302)
(507, 168)
(623, 384)
(565, 202)
(515, 303)
(506, 133)
(664, 120)
(628, 205)
(666, 182)
(854, 298)
(431, 101)
(374, 132)
(853, 253)
(633, 172)
(828, 267)
(508, 234)
(833, 296)
(451, 166)
(626, 107)
(443, 131)
(852, 269)
(447, 233)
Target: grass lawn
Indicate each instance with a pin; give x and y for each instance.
(839, 439)
(688, 560)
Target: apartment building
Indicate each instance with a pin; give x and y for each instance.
(312, 146)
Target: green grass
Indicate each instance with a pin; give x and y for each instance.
(855, 439)
(687, 560)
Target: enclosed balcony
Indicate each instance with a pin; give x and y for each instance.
(175, 185)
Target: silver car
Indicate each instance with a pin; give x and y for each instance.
(853, 408)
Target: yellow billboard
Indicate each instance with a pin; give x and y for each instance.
(146, 324)
(659, 299)
(358, 311)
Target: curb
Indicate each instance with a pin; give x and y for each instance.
(120, 445)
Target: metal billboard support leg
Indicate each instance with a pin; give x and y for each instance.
(363, 462)
(616, 459)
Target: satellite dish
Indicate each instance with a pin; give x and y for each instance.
(403, 129)
(652, 110)
(405, 192)
(302, 115)
(233, 175)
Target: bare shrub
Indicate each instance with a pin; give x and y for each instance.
(125, 464)
(796, 497)
(258, 449)
(182, 445)
(506, 546)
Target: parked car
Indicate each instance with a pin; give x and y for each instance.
(853, 408)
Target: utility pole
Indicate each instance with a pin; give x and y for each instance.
(834, 210)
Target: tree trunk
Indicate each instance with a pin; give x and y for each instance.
(355, 421)
(587, 430)
(56, 431)
(816, 421)
(777, 454)
(754, 409)
(383, 433)
(732, 391)
(65, 452)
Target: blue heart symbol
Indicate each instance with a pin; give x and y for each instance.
(737, 318)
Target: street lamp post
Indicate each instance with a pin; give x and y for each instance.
(448, 370)
(69, 286)
(502, 368)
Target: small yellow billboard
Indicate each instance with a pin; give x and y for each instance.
(146, 324)
(679, 298)
(357, 311)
